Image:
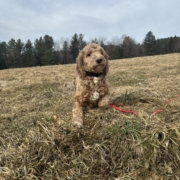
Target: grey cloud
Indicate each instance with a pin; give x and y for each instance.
(32, 19)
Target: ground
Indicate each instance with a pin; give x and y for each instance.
(37, 141)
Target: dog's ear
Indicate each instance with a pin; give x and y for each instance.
(79, 65)
(106, 69)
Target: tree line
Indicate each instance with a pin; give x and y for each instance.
(46, 51)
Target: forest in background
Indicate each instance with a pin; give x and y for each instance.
(47, 51)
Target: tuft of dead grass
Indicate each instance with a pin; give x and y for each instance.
(37, 141)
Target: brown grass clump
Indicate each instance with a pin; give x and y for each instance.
(37, 142)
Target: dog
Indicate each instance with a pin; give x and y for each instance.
(91, 87)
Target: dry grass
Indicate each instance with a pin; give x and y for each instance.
(37, 142)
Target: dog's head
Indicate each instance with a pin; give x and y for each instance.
(92, 58)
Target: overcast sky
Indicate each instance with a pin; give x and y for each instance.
(31, 19)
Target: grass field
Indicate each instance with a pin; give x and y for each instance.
(37, 141)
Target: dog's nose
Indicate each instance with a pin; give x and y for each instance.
(98, 61)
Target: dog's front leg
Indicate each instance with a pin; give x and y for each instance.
(77, 114)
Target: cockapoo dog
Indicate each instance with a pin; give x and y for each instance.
(91, 86)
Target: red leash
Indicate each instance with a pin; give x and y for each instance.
(136, 112)
(165, 104)
(124, 110)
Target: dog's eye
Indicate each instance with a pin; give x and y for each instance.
(89, 54)
(102, 52)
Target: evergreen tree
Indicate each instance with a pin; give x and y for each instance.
(74, 47)
(44, 51)
(28, 60)
(128, 47)
(170, 45)
(15, 53)
(19, 53)
(77, 43)
(38, 50)
(48, 58)
(11, 53)
(150, 43)
(176, 44)
(81, 42)
(66, 57)
(3, 56)
(112, 50)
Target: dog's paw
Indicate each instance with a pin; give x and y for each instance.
(105, 107)
(77, 124)
(104, 102)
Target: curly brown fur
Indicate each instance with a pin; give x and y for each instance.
(91, 86)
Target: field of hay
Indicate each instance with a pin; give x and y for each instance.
(38, 143)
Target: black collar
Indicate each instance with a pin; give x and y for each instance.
(92, 74)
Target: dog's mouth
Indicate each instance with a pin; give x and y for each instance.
(98, 67)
